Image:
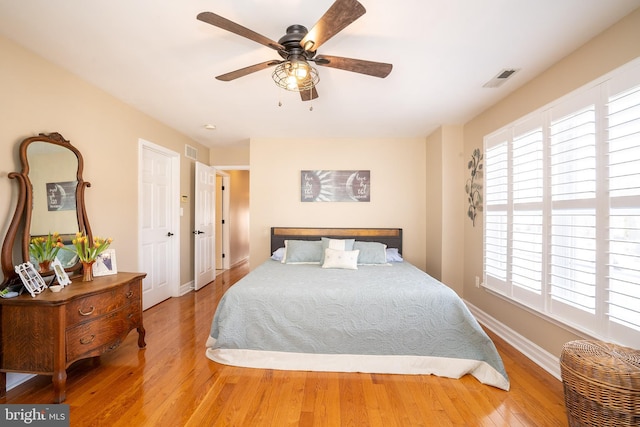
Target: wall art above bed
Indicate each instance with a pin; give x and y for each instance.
(335, 186)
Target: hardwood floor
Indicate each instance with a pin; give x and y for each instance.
(172, 383)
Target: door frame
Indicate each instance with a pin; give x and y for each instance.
(226, 180)
(174, 271)
(226, 247)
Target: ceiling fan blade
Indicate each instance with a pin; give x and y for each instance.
(308, 95)
(337, 18)
(376, 69)
(247, 70)
(225, 24)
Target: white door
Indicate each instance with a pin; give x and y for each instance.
(205, 216)
(159, 224)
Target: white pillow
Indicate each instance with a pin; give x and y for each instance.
(334, 258)
(339, 244)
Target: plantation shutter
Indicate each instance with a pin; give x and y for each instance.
(562, 209)
(495, 212)
(527, 217)
(623, 149)
(573, 271)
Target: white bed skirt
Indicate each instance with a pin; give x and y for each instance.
(379, 364)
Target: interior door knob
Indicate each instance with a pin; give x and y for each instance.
(169, 234)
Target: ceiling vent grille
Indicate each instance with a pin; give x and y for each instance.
(191, 152)
(501, 78)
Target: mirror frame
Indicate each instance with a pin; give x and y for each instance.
(21, 222)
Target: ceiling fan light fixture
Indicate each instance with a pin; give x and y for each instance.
(295, 75)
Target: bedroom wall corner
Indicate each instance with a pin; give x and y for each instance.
(445, 205)
(433, 217)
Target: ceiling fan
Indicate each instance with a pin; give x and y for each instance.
(298, 47)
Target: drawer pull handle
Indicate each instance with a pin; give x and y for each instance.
(130, 316)
(129, 294)
(89, 340)
(91, 310)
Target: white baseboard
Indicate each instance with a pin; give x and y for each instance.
(186, 288)
(537, 354)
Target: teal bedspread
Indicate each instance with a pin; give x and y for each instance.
(385, 310)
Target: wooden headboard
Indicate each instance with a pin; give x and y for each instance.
(392, 237)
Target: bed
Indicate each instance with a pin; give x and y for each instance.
(359, 308)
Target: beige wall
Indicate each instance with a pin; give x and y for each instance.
(398, 188)
(38, 96)
(612, 49)
(229, 156)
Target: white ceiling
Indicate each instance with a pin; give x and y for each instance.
(155, 56)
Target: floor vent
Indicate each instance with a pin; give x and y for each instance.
(501, 78)
(191, 152)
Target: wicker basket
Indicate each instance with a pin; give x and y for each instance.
(601, 384)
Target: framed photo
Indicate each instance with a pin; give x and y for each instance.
(61, 275)
(31, 279)
(105, 263)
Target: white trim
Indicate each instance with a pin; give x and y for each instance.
(185, 288)
(537, 354)
(226, 200)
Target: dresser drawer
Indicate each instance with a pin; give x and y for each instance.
(98, 305)
(94, 335)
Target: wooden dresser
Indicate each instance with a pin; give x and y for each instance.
(45, 334)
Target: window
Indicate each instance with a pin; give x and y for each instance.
(562, 209)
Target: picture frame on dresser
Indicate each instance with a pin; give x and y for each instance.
(31, 279)
(105, 264)
(61, 276)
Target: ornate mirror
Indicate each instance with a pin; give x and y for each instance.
(50, 199)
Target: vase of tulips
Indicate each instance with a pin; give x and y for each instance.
(87, 251)
(44, 250)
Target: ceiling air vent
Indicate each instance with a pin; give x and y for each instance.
(191, 152)
(502, 77)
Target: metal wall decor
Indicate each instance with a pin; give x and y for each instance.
(472, 188)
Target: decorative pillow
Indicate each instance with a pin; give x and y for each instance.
(334, 258)
(278, 254)
(302, 252)
(393, 255)
(339, 244)
(371, 252)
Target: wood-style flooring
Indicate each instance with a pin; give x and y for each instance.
(172, 383)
